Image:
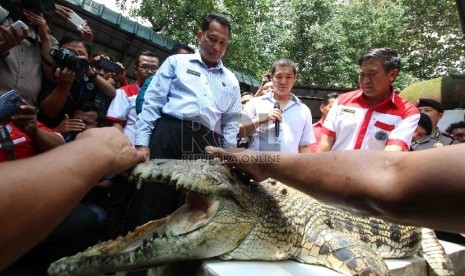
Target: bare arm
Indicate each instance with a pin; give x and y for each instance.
(326, 143)
(422, 188)
(246, 129)
(118, 126)
(103, 85)
(25, 120)
(43, 190)
(249, 126)
(304, 149)
(54, 103)
(393, 148)
(38, 20)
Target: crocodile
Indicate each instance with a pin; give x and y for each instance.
(230, 217)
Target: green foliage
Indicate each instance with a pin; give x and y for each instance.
(324, 37)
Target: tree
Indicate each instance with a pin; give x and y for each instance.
(324, 37)
(431, 38)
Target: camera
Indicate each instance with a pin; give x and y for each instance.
(9, 103)
(65, 58)
(46, 7)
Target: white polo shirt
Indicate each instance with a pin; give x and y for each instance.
(295, 129)
(356, 125)
(122, 109)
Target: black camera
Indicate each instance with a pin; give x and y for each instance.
(46, 7)
(9, 103)
(109, 66)
(65, 58)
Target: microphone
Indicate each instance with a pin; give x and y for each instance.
(276, 123)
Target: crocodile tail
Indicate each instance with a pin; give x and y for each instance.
(436, 257)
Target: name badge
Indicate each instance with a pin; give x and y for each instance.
(347, 110)
(192, 72)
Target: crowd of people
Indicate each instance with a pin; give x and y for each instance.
(80, 122)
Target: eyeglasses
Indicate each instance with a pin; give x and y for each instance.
(148, 67)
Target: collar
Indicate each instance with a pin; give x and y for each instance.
(319, 123)
(435, 134)
(197, 58)
(270, 97)
(393, 98)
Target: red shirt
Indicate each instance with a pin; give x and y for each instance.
(23, 147)
(317, 127)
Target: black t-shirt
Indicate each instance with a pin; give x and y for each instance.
(82, 95)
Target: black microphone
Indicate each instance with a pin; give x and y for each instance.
(276, 123)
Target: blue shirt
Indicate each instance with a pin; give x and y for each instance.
(185, 88)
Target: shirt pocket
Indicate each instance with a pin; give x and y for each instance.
(384, 126)
(379, 134)
(223, 100)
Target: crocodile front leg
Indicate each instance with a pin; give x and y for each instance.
(340, 252)
(434, 254)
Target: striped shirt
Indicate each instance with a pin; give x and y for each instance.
(356, 125)
(185, 88)
(22, 68)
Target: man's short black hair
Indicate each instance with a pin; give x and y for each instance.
(453, 126)
(426, 123)
(144, 53)
(388, 57)
(218, 18)
(67, 38)
(329, 96)
(283, 62)
(246, 93)
(176, 48)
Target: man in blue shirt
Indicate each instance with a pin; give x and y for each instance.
(193, 89)
(193, 101)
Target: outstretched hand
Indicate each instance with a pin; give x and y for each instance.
(116, 145)
(68, 125)
(245, 161)
(25, 118)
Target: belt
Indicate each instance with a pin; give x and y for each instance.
(192, 125)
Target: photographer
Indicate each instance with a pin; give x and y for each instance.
(22, 49)
(23, 136)
(77, 84)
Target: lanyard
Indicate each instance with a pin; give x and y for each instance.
(6, 142)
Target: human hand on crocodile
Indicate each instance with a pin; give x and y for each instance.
(114, 146)
(246, 161)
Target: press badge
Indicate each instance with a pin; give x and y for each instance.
(192, 72)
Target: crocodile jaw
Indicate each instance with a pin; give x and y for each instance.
(201, 228)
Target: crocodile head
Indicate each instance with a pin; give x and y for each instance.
(212, 222)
